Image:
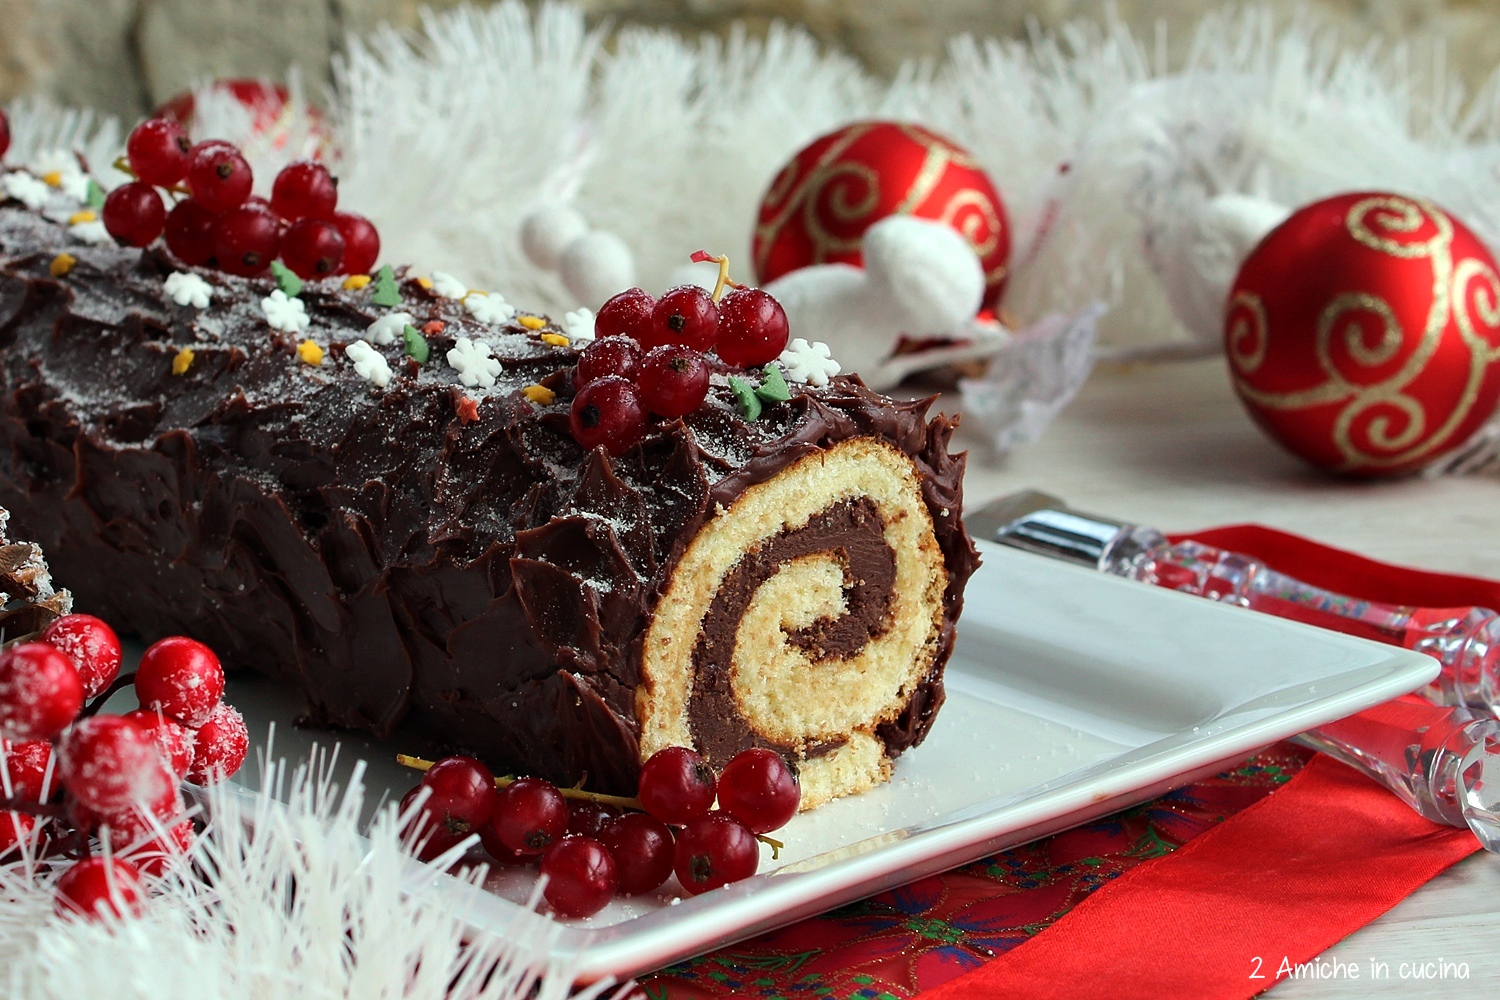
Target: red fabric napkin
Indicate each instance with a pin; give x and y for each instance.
(1272, 886)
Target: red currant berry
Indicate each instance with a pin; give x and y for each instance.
(134, 214)
(219, 746)
(24, 766)
(110, 764)
(158, 151)
(607, 356)
(714, 850)
(759, 789)
(361, 242)
(181, 677)
(190, 232)
(676, 785)
(626, 314)
(463, 794)
(674, 380)
(304, 190)
(91, 645)
(752, 328)
(4, 133)
(246, 240)
(218, 176)
(495, 849)
(96, 888)
(312, 249)
(643, 851)
(173, 739)
(580, 876)
(531, 815)
(589, 819)
(40, 692)
(608, 412)
(687, 315)
(14, 829)
(424, 832)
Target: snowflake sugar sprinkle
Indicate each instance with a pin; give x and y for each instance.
(92, 232)
(579, 325)
(491, 309)
(369, 363)
(187, 289)
(473, 363)
(28, 190)
(285, 314)
(388, 328)
(809, 363)
(448, 286)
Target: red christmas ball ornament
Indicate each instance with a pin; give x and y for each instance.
(820, 204)
(270, 106)
(1363, 333)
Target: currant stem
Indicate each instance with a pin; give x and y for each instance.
(624, 802)
(772, 843)
(703, 257)
(31, 808)
(120, 683)
(123, 166)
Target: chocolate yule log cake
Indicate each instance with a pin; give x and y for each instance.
(371, 490)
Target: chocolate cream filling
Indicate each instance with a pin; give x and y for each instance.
(854, 532)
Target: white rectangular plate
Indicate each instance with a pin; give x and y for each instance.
(1070, 695)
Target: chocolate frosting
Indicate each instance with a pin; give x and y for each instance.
(485, 581)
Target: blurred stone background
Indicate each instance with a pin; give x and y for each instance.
(127, 56)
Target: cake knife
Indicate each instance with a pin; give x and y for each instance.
(1442, 760)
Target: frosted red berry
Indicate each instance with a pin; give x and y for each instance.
(97, 888)
(92, 646)
(626, 314)
(219, 746)
(134, 214)
(530, 816)
(218, 176)
(687, 315)
(753, 328)
(673, 380)
(676, 785)
(158, 151)
(759, 789)
(15, 828)
(714, 850)
(190, 232)
(150, 835)
(181, 677)
(616, 355)
(642, 848)
(40, 692)
(361, 242)
(312, 249)
(580, 877)
(464, 796)
(110, 764)
(173, 740)
(246, 240)
(608, 413)
(589, 819)
(304, 190)
(24, 767)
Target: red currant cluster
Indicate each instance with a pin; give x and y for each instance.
(650, 356)
(588, 849)
(80, 775)
(219, 223)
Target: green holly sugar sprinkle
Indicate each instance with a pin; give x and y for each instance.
(386, 292)
(746, 397)
(416, 344)
(288, 282)
(95, 195)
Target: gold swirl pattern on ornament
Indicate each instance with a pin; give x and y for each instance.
(1449, 300)
(850, 192)
(935, 160)
(1253, 328)
(795, 192)
(983, 222)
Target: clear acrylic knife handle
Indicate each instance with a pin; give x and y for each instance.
(1443, 762)
(1465, 641)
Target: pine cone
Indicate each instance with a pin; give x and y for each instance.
(27, 600)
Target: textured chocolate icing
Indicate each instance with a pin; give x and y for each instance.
(486, 582)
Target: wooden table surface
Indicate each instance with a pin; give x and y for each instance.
(1170, 446)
